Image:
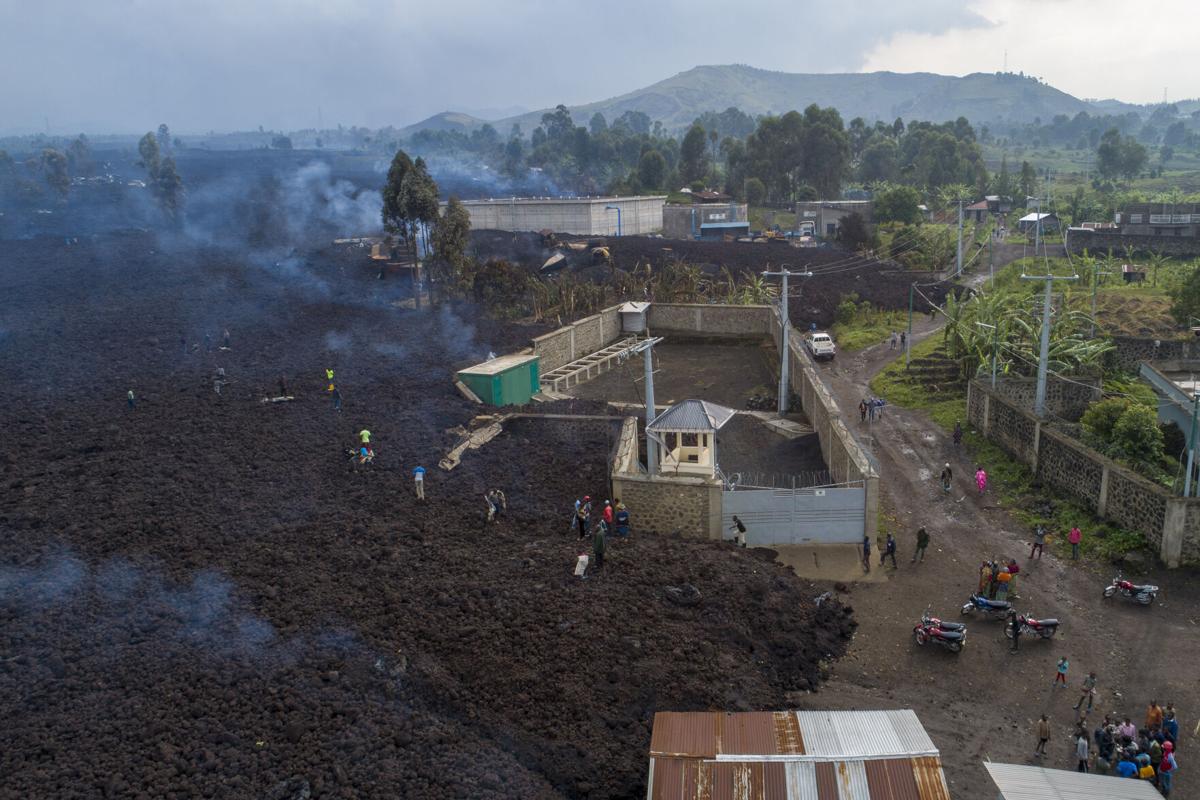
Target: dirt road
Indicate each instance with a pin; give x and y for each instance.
(982, 704)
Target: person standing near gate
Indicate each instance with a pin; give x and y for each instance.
(740, 536)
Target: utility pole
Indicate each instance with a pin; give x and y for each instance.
(1187, 481)
(1039, 403)
(908, 340)
(784, 273)
(991, 260)
(1096, 273)
(958, 272)
(646, 348)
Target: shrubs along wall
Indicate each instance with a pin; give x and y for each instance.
(1170, 524)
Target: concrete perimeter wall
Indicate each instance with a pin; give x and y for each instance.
(663, 505)
(845, 457)
(699, 319)
(1170, 524)
(585, 216)
(577, 339)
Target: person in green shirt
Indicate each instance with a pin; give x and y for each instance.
(922, 543)
(599, 543)
(364, 436)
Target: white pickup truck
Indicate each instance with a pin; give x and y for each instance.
(820, 345)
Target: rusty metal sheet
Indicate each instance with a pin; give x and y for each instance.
(774, 781)
(666, 779)
(852, 780)
(931, 781)
(751, 733)
(827, 783)
(892, 779)
(686, 734)
(788, 739)
(802, 780)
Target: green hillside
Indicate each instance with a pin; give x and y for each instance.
(678, 100)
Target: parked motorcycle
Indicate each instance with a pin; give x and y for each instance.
(994, 608)
(1043, 628)
(1143, 593)
(930, 629)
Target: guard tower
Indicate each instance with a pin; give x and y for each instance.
(687, 434)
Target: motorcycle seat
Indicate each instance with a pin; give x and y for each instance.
(951, 626)
(983, 601)
(950, 635)
(1146, 587)
(1047, 623)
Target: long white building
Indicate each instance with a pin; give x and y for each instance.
(583, 216)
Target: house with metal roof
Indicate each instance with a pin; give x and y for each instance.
(1020, 782)
(687, 433)
(793, 755)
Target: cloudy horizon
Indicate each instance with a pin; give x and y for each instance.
(123, 66)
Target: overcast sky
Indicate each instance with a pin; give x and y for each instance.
(126, 65)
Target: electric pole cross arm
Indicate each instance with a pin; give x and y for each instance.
(1039, 402)
(784, 273)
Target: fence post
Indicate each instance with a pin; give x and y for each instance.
(1102, 500)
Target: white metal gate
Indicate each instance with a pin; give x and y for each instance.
(814, 515)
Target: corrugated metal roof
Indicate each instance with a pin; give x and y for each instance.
(633, 307)
(697, 416)
(835, 755)
(1019, 782)
(864, 734)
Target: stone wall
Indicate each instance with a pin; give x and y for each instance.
(659, 504)
(1170, 524)
(1130, 351)
(578, 339)
(698, 319)
(1066, 399)
(1097, 243)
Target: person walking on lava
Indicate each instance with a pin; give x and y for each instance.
(740, 527)
(364, 436)
(419, 480)
(130, 398)
(583, 515)
(329, 378)
(496, 504)
(600, 543)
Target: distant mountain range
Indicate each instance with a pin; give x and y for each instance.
(677, 101)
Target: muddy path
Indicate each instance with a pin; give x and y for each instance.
(982, 703)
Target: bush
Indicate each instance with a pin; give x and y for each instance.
(1100, 419)
(1137, 439)
(847, 308)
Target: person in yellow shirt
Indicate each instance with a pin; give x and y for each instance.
(329, 378)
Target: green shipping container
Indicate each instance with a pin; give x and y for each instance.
(503, 381)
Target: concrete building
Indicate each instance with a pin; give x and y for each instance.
(826, 215)
(1159, 219)
(705, 220)
(583, 216)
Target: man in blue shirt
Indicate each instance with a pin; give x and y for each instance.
(419, 480)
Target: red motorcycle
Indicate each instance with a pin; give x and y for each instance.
(1042, 628)
(1143, 593)
(950, 635)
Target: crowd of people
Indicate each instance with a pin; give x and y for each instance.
(1121, 748)
(613, 521)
